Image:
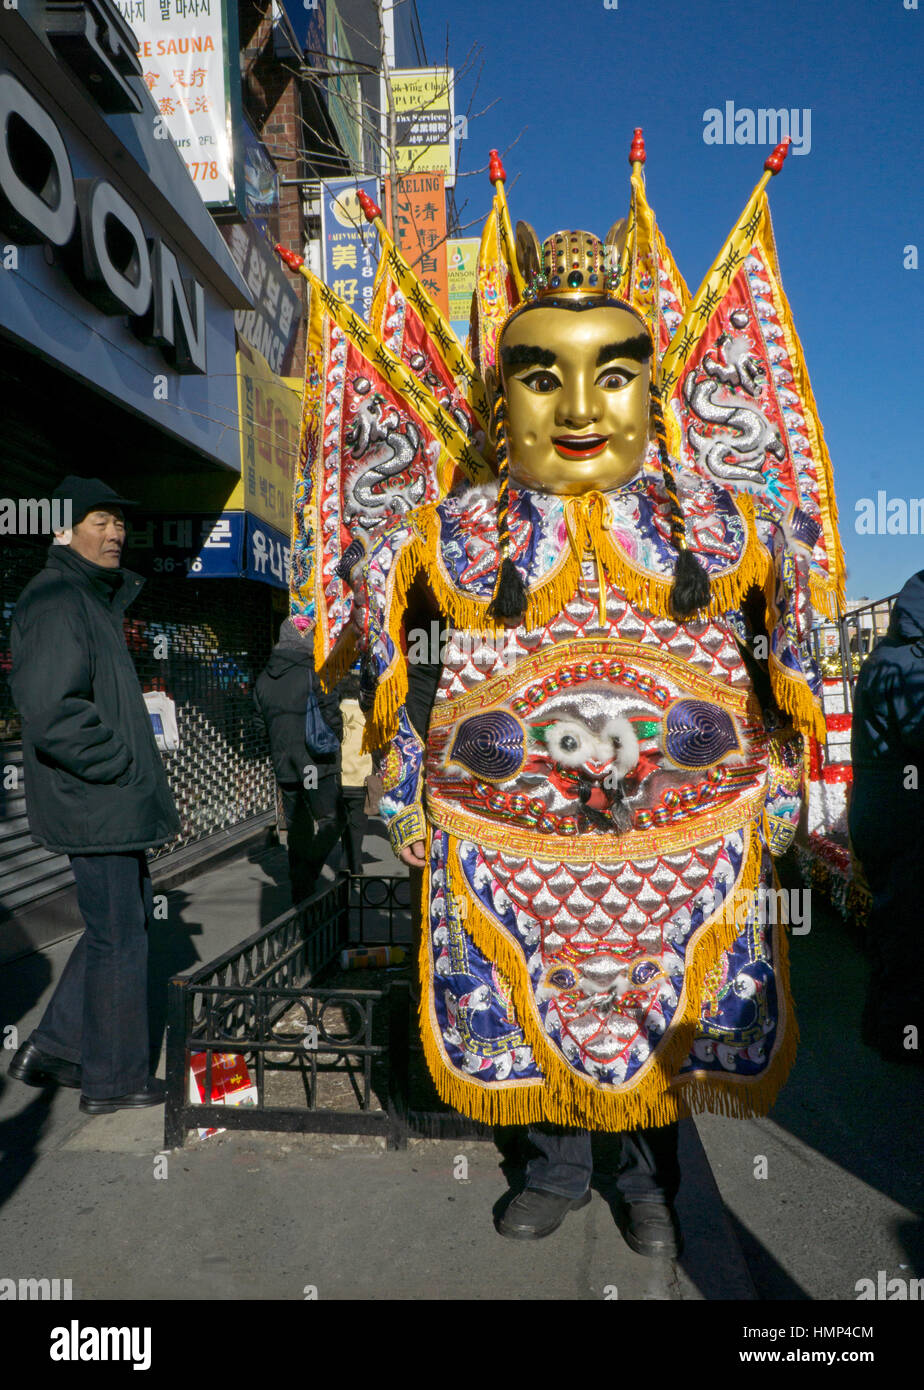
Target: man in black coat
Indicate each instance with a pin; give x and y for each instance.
(95, 790)
(887, 823)
(309, 782)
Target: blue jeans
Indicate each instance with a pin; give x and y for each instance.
(98, 1015)
(649, 1171)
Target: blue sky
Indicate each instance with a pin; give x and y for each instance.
(576, 78)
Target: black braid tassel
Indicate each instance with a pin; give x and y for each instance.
(690, 590)
(509, 599)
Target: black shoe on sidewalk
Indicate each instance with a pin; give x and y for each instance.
(37, 1068)
(652, 1228)
(535, 1213)
(154, 1093)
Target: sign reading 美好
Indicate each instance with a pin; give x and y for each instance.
(351, 244)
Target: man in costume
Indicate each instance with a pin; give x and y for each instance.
(588, 772)
(589, 798)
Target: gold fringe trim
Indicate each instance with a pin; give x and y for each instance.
(724, 1095)
(793, 695)
(562, 1095)
(336, 665)
(649, 591)
(391, 691)
(825, 598)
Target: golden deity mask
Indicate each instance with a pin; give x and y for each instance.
(576, 384)
(576, 368)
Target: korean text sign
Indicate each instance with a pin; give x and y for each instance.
(423, 102)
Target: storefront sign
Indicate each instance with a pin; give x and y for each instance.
(186, 545)
(420, 231)
(108, 254)
(267, 554)
(187, 61)
(351, 245)
(271, 327)
(461, 269)
(270, 420)
(232, 545)
(423, 101)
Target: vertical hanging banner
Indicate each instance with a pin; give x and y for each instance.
(351, 245)
(420, 231)
(423, 100)
(270, 420)
(461, 278)
(189, 56)
(344, 100)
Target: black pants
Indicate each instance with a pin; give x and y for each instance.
(98, 1015)
(354, 802)
(564, 1164)
(316, 821)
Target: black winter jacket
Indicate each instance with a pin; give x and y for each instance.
(94, 778)
(281, 698)
(887, 738)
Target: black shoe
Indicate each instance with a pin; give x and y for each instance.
(652, 1228)
(37, 1068)
(154, 1093)
(535, 1213)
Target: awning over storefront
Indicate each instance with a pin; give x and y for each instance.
(210, 532)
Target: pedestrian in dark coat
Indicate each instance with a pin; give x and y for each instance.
(95, 790)
(887, 823)
(309, 782)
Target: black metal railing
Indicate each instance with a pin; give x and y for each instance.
(839, 649)
(265, 1000)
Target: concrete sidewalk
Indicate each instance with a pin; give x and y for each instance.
(240, 1215)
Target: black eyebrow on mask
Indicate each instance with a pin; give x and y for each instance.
(637, 349)
(525, 355)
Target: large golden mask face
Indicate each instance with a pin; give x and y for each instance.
(577, 398)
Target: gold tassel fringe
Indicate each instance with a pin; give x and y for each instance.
(793, 695)
(650, 592)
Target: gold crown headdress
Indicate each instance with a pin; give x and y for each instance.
(567, 264)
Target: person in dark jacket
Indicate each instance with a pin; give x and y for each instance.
(887, 823)
(310, 783)
(95, 790)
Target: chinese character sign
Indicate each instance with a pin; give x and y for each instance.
(351, 246)
(181, 45)
(420, 231)
(423, 101)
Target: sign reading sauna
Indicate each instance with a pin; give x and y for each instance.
(102, 241)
